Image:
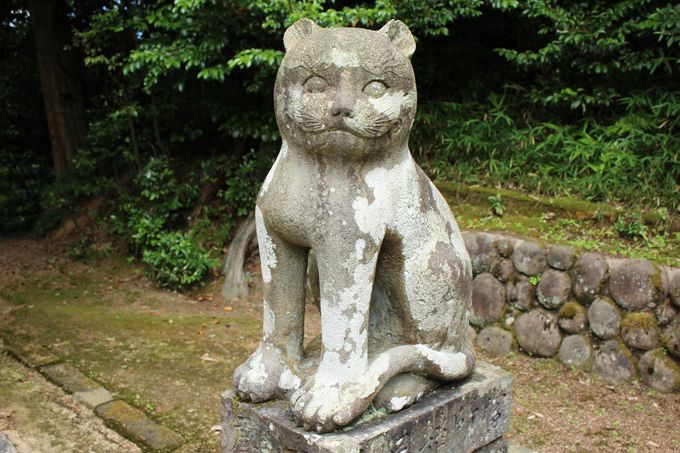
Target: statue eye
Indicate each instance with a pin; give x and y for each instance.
(315, 84)
(375, 88)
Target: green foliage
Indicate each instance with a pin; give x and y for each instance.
(497, 207)
(242, 183)
(78, 250)
(632, 158)
(591, 53)
(631, 226)
(158, 206)
(147, 222)
(175, 261)
(558, 98)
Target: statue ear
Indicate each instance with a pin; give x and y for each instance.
(297, 32)
(400, 36)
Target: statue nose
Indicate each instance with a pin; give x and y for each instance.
(342, 110)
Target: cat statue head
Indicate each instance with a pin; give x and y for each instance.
(348, 93)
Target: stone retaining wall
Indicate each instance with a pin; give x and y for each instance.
(617, 317)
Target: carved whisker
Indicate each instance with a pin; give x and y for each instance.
(308, 121)
(390, 111)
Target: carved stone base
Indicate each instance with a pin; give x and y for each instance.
(469, 416)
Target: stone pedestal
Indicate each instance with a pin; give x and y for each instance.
(469, 416)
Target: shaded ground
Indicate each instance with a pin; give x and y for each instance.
(171, 355)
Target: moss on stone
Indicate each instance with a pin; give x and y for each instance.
(136, 426)
(669, 369)
(369, 415)
(523, 202)
(639, 321)
(571, 309)
(657, 282)
(514, 278)
(630, 356)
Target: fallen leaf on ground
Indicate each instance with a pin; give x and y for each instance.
(207, 358)
(228, 308)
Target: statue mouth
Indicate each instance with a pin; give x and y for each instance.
(343, 128)
(377, 129)
(373, 132)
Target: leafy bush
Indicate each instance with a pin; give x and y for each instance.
(175, 261)
(590, 54)
(634, 157)
(147, 223)
(243, 181)
(158, 206)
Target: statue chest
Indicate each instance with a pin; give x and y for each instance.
(305, 203)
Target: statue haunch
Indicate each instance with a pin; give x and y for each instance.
(394, 277)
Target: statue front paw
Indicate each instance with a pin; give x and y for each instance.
(265, 375)
(323, 408)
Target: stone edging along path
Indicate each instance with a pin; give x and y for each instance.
(118, 415)
(619, 318)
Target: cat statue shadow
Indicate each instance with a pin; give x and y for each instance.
(394, 277)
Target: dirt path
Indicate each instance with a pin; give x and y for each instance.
(172, 354)
(38, 417)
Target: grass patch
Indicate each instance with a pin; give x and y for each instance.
(152, 360)
(585, 225)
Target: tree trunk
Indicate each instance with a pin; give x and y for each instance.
(235, 284)
(60, 80)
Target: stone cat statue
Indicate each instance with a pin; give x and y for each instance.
(394, 276)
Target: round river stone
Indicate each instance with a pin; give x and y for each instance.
(553, 289)
(604, 318)
(674, 289)
(520, 292)
(671, 338)
(590, 274)
(640, 331)
(614, 362)
(537, 333)
(666, 312)
(481, 250)
(659, 371)
(495, 340)
(471, 335)
(636, 285)
(502, 269)
(575, 350)
(488, 299)
(529, 258)
(505, 247)
(573, 317)
(561, 257)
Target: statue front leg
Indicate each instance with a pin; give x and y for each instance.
(335, 395)
(270, 371)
